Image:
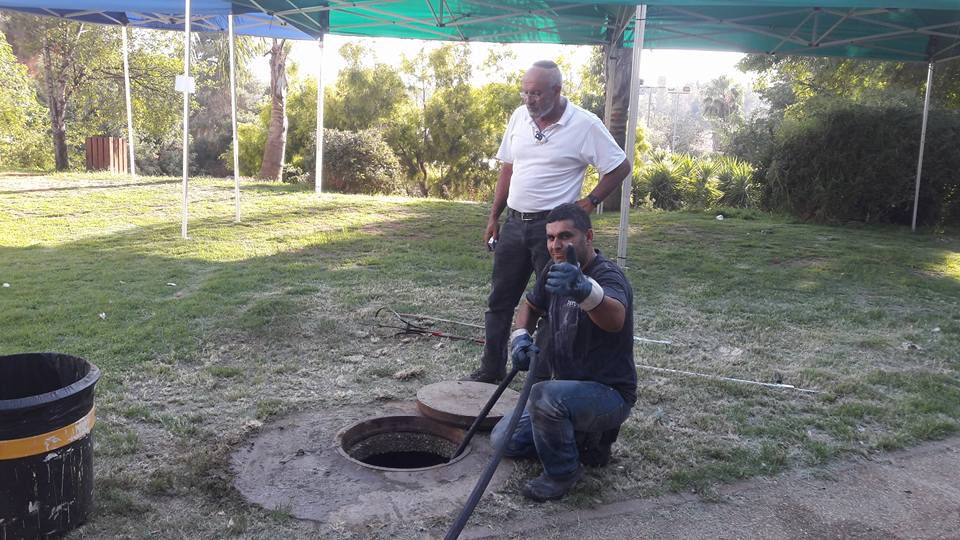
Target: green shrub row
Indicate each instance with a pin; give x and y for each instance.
(848, 162)
(681, 181)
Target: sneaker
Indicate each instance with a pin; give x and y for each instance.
(481, 376)
(549, 488)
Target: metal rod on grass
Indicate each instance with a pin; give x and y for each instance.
(429, 318)
(731, 379)
(659, 341)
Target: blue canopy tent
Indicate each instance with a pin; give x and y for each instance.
(214, 16)
(901, 30)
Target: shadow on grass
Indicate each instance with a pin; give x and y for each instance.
(85, 187)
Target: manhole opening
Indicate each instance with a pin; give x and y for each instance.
(403, 443)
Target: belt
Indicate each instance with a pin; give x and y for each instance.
(527, 216)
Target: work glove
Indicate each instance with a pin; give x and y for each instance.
(522, 350)
(566, 279)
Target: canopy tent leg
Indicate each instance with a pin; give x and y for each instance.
(126, 92)
(233, 120)
(640, 23)
(186, 117)
(318, 173)
(923, 140)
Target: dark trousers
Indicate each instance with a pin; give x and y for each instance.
(521, 250)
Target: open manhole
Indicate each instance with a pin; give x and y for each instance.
(300, 463)
(400, 443)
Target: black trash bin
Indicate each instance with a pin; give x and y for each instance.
(46, 449)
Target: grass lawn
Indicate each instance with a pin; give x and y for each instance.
(202, 341)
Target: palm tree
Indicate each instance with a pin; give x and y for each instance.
(275, 148)
(722, 99)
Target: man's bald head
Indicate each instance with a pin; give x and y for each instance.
(549, 70)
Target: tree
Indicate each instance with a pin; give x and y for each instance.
(592, 82)
(722, 100)
(70, 56)
(22, 141)
(363, 96)
(275, 147)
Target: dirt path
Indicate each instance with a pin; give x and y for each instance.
(908, 494)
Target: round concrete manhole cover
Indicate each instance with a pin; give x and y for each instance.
(459, 402)
(298, 464)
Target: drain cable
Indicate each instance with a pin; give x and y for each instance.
(454, 532)
(483, 414)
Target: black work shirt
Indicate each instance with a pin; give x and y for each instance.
(579, 350)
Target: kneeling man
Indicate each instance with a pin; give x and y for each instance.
(588, 381)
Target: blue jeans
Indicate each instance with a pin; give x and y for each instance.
(555, 410)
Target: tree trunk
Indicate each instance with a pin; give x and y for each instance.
(424, 185)
(274, 150)
(619, 65)
(57, 103)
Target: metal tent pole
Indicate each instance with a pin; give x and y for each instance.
(233, 121)
(186, 117)
(640, 23)
(126, 91)
(923, 139)
(318, 173)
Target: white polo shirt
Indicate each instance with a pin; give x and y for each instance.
(549, 172)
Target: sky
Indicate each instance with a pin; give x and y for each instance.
(677, 67)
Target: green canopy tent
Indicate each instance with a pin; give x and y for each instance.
(899, 30)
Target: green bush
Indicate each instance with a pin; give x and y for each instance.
(846, 162)
(681, 181)
(357, 162)
(736, 183)
(701, 188)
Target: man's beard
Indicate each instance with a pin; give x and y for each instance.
(542, 113)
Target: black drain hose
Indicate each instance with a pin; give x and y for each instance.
(454, 532)
(483, 414)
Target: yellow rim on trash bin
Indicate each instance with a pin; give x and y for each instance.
(47, 442)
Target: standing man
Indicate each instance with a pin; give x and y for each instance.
(592, 380)
(544, 155)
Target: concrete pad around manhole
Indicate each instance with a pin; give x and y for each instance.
(293, 464)
(460, 402)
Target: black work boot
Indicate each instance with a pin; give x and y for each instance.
(593, 451)
(481, 376)
(595, 448)
(549, 488)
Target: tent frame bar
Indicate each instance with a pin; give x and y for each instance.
(318, 162)
(630, 142)
(233, 120)
(126, 95)
(923, 140)
(186, 119)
